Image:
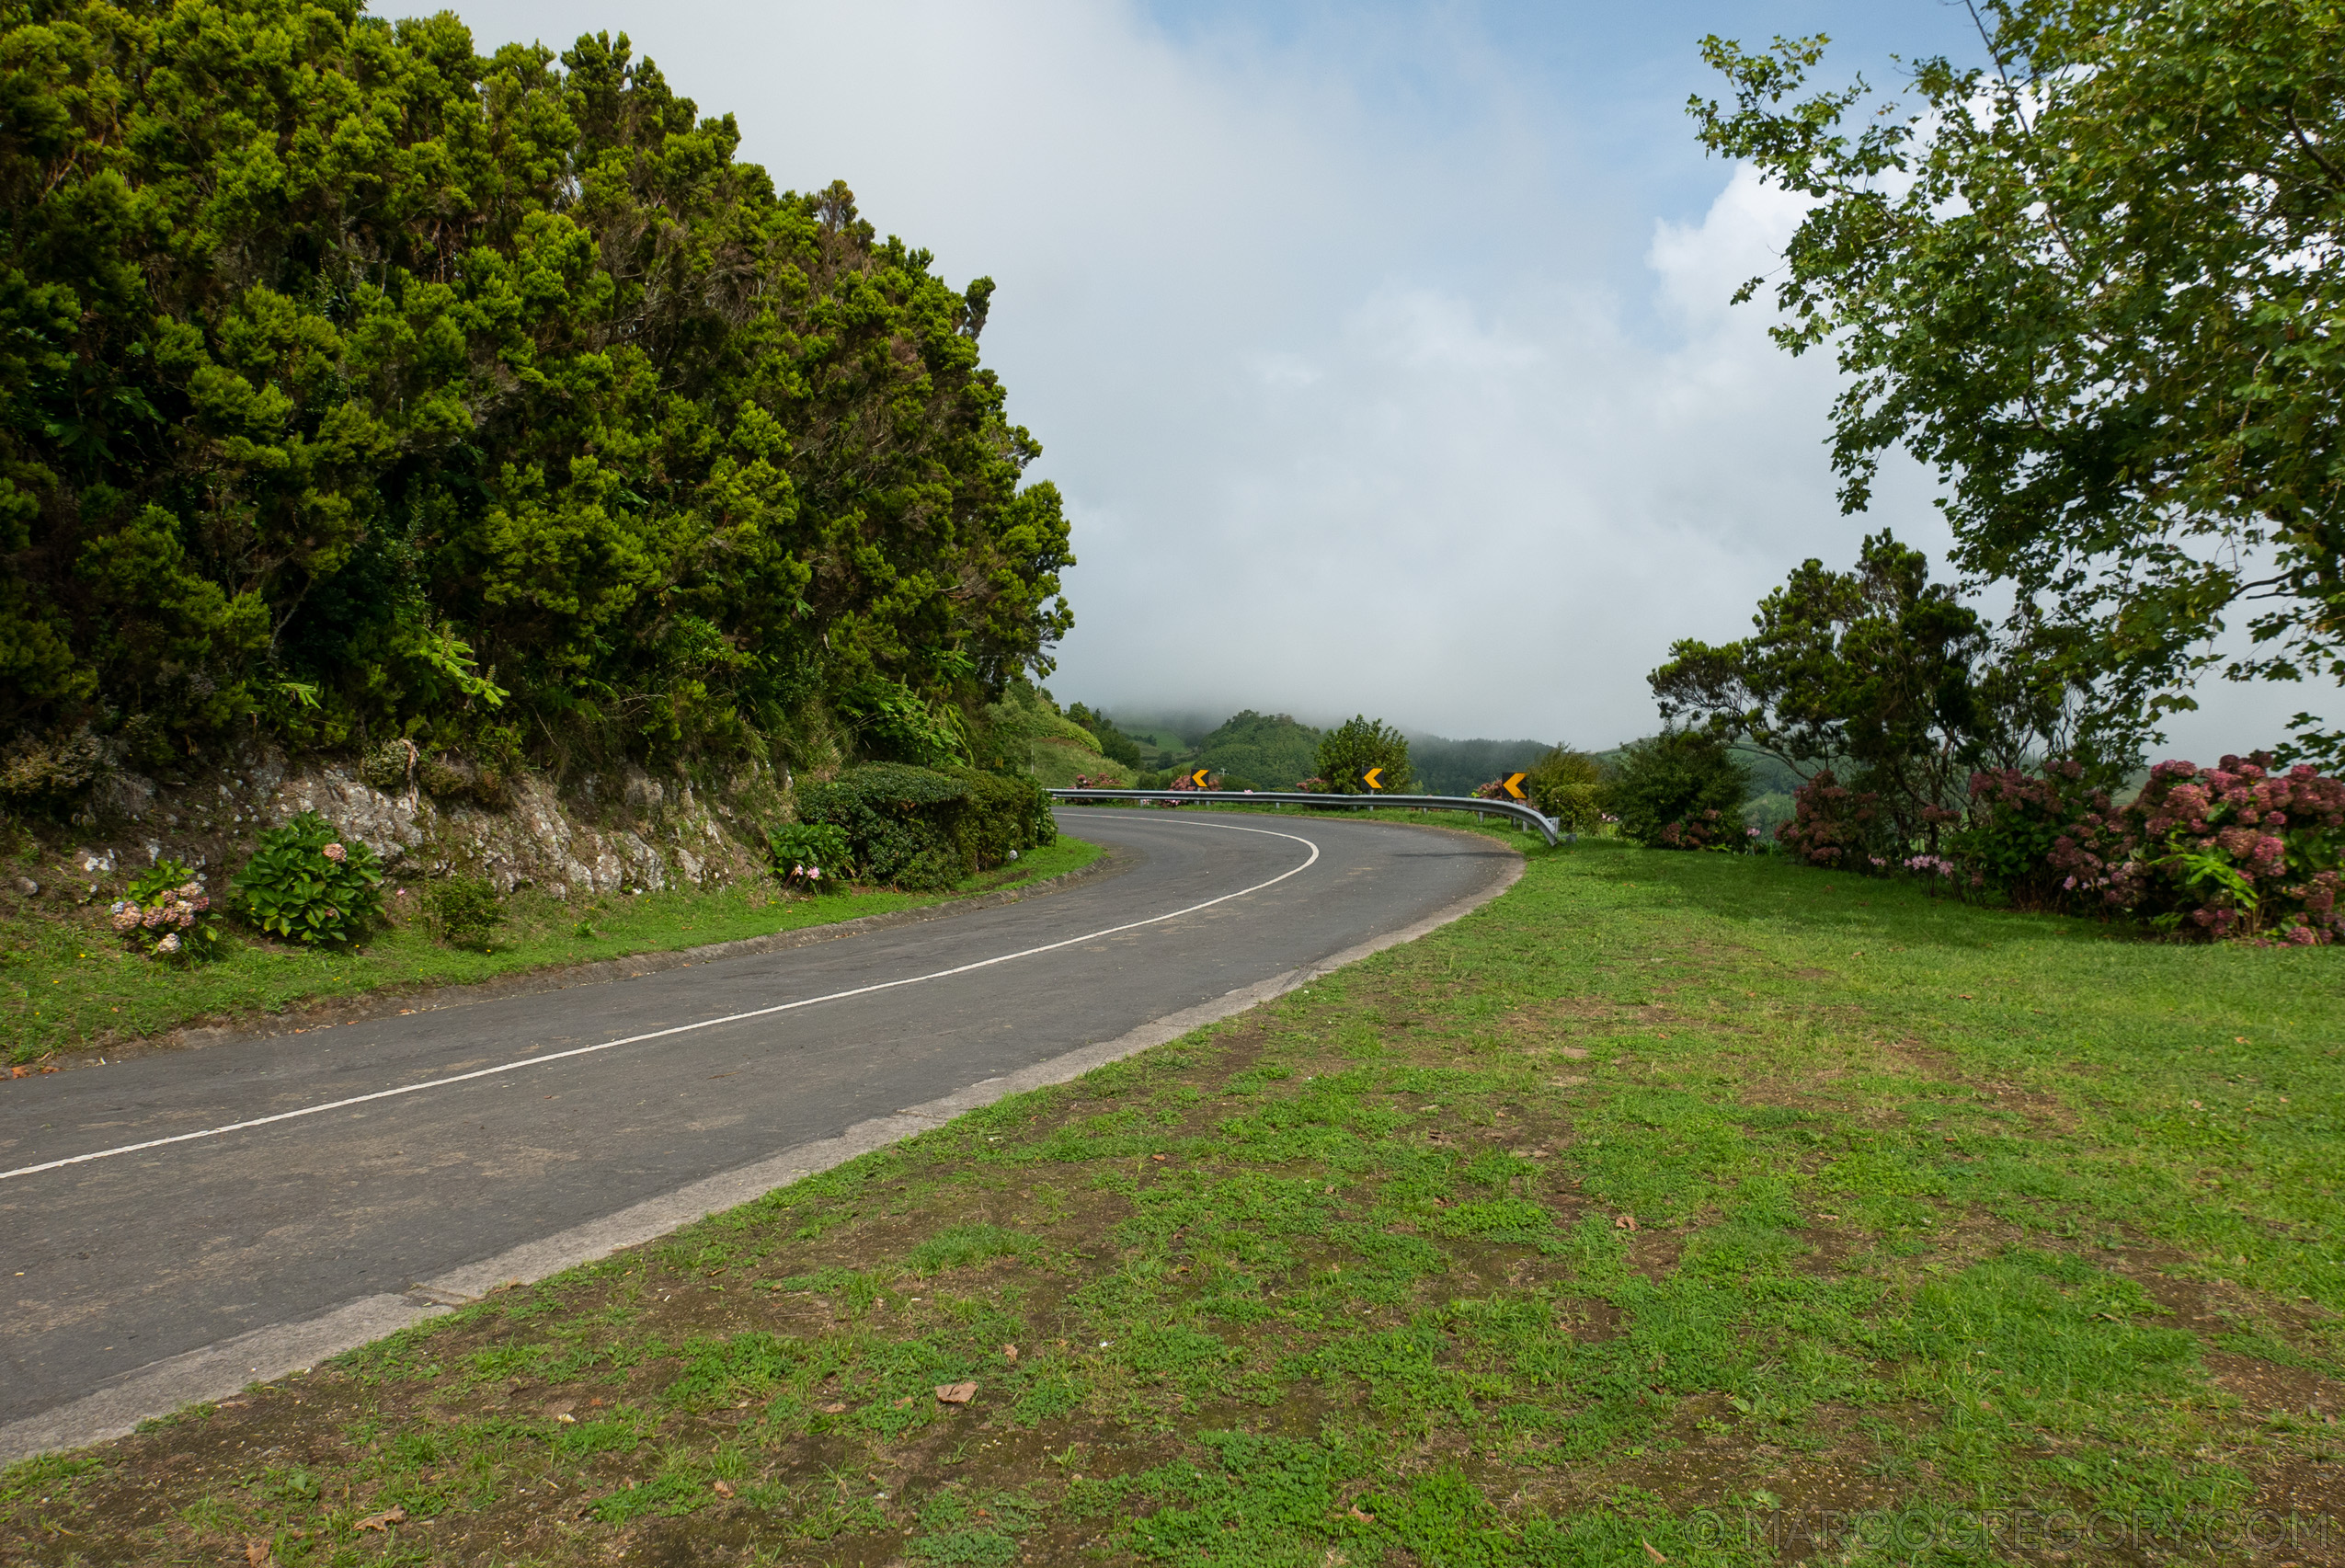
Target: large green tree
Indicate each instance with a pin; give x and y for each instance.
(2094, 281)
(355, 383)
(1360, 746)
(1877, 672)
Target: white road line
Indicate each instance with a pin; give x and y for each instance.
(688, 1029)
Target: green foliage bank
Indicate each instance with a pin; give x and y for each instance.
(356, 386)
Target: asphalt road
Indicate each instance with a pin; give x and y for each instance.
(123, 1260)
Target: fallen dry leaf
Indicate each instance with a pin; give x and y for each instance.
(834, 1410)
(1625, 1222)
(395, 1515)
(955, 1393)
(1009, 1353)
(1363, 1515)
(1650, 1551)
(723, 1489)
(256, 1553)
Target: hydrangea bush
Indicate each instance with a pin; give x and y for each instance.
(1835, 826)
(168, 914)
(2239, 849)
(1709, 828)
(2236, 850)
(2036, 839)
(304, 885)
(809, 857)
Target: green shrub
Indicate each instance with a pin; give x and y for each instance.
(1675, 779)
(1569, 786)
(1007, 814)
(1358, 746)
(390, 767)
(306, 886)
(917, 829)
(168, 914)
(52, 772)
(465, 909)
(810, 855)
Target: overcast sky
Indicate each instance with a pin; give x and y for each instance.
(1382, 350)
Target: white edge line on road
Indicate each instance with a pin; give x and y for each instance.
(218, 1370)
(680, 1028)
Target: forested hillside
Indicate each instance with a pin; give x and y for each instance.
(1460, 767)
(1252, 750)
(356, 385)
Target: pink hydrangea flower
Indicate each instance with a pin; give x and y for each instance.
(334, 853)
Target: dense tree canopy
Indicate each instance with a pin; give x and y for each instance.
(353, 384)
(1880, 673)
(1359, 746)
(2095, 283)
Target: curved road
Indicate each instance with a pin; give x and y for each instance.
(149, 1267)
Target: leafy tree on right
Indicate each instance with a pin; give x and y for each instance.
(2095, 285)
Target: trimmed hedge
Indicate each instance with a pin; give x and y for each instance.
(919, 829)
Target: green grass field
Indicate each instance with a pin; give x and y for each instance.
(68, 982)
(1671, 1209)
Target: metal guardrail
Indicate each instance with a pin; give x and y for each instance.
(1547, 826)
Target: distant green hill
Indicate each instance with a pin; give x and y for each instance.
(1460, 767)
(1252, 750)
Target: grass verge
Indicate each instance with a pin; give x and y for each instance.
(1672, 1209)
(67, 982)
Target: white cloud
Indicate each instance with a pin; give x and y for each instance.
(1365, 389)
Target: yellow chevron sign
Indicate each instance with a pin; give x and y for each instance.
(1513, 781)
(1197, 778)
(1373, 778)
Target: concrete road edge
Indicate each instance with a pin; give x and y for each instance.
(220, 1370)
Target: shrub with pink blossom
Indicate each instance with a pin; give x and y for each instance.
(1709, 828)
(2043, 841)
(1835, 826)
(168, 914)
(2241, 849)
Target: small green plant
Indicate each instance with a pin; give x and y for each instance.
(168, 914)
(466, 909)
(1569, 786)
(583, 931)
(304, 885)
(809, 855)
(391, 767)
